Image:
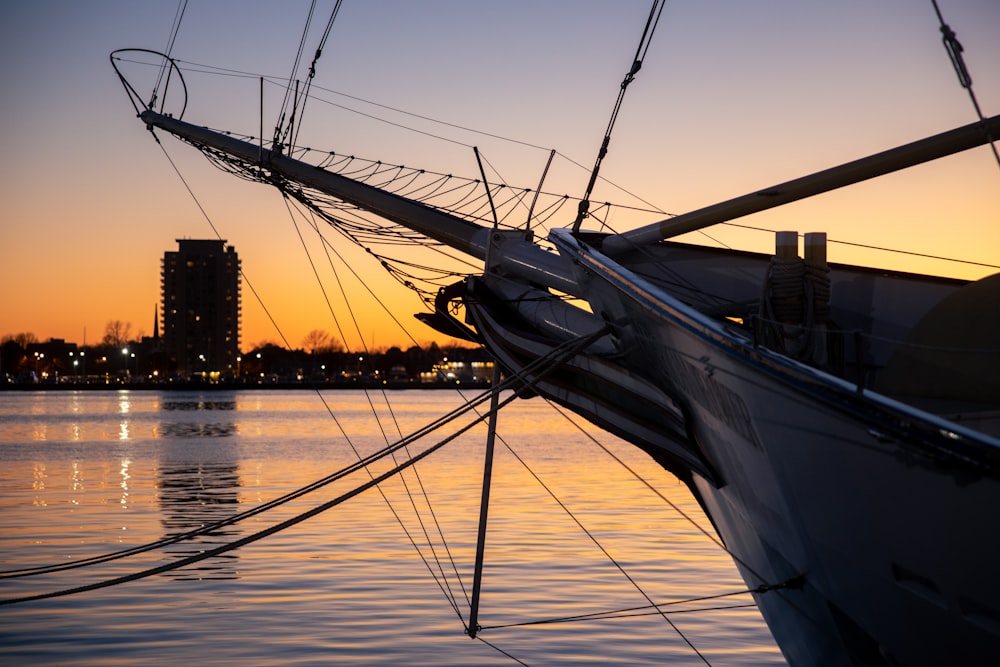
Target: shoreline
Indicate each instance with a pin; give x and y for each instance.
(234, 386)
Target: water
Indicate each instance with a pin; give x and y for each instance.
(88, 473)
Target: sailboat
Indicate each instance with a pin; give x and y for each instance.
(839, 424)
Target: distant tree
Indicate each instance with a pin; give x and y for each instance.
(393, 357)
(11, 356)
(318, 341)
(23, 339)
(117, 333)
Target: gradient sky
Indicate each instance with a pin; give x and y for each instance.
(733, 96)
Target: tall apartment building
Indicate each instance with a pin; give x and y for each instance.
(201, 307)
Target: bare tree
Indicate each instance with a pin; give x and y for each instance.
(315, 341)
(23, 339)
(117, 333)
(318, 341)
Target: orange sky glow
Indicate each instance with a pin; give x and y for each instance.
(732, 97)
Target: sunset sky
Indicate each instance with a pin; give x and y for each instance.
(733, 96)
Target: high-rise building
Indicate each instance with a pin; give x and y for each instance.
(201, 307)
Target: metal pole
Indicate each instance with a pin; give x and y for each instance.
(886, 162)
(484, 505)
(260, 153)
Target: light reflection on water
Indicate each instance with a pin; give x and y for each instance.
(346, 586)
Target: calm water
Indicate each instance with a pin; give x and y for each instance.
(88, 473)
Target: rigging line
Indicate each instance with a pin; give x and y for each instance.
(543, 365)
(651, 205)
(164, 67)
(448, 552)
(260, 509)
(879, 248)
(627, 612)
(395, 124)
(714, 538)
(667, 274)
(276, 81)
(600, 546)
(312, 265)
(707, 533)
(291, 77)
(312, 68)
(420, 483)
(218, 235)
(765, 586)
(343, 292)
(617, 613)
(364, 283)
(336, 276)
(236, 518)
(421, 117)
(385, 437)
(501, 651)
(254, 537)
(954, 49)
(215, 70)
(288, 346)
(614, 615)
(647, 36)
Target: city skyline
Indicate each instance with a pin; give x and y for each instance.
(729, 99)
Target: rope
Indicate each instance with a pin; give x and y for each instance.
(249, 539)
(596, 542)
(312, 68)
(280, 138)
(164, 67)
(785, 292)
(443, 582)
(281, 500)
(539, 367)
(640, 53)
(343, 432)
(612, 615)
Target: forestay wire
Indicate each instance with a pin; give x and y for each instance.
(443, 582)
(640, 53)
(165, 66)
(293, 96)
(955, 50)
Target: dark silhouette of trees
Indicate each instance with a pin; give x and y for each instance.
(321, 360)
(117, 334)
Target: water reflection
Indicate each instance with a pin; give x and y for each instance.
(198, 426)
(123, 471)
(197, 430)
(193, 495)
(198, 405)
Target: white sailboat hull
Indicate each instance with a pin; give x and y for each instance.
(883, 514)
